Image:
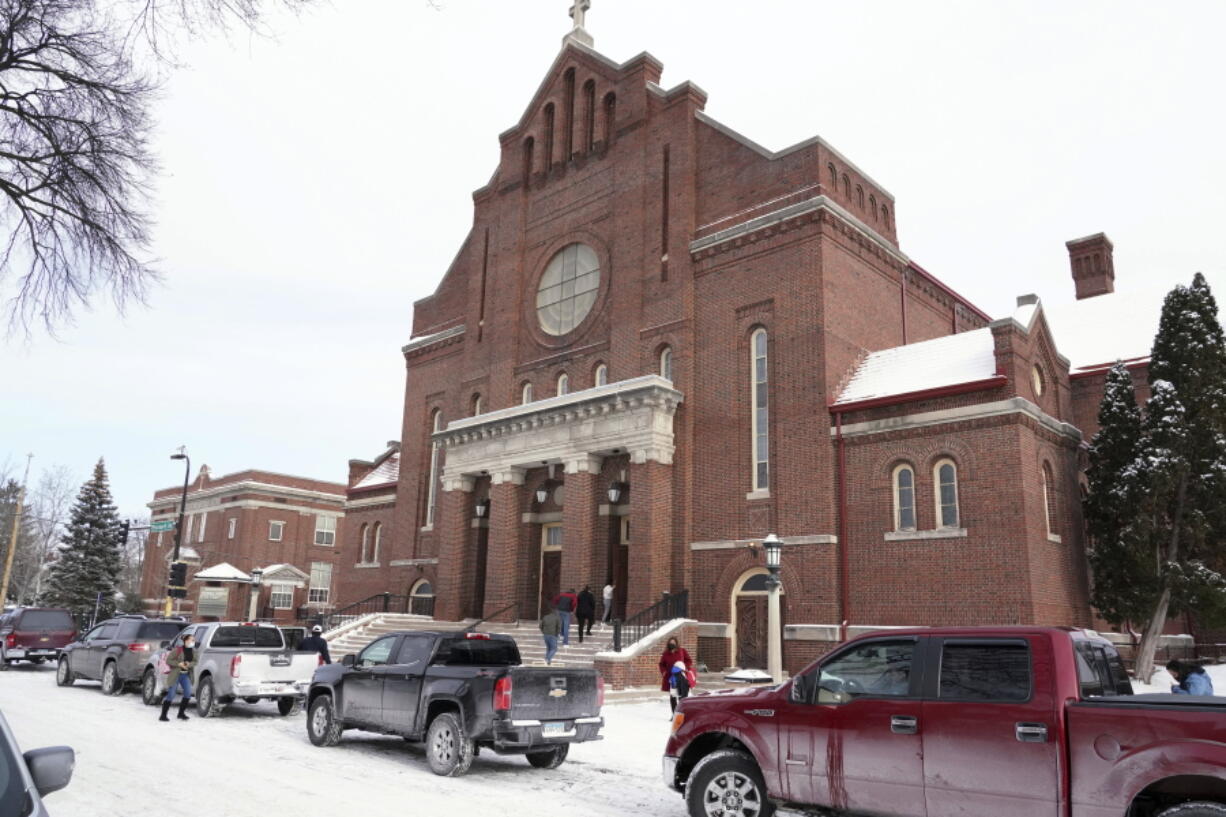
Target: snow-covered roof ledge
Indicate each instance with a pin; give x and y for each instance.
(426, 341)
(223, 572)
(647, 642)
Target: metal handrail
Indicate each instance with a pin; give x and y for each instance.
(645, 622)
(472, 627)
(378, 603)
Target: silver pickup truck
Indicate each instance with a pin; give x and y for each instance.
(237, 661)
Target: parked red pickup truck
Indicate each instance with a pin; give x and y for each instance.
(1001, 722)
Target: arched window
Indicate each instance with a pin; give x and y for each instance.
(525, 393)
(904, 498)
(834, 175)
(568, 138)
(589, 115)
(602, 375)
(436, 425)
(666, 363)
(872, 205)
(945, 485)
(421, 599)
(374, 555)
(860, 197)
(563, 384)
(847, 187)
(610, 113)
(1049, 499)
(477, 404)
(365, 544)
(529, 150)
(549, 121)
(759, 410)
(885, 215)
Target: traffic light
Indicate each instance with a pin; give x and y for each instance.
(178, 581)
(123, 533)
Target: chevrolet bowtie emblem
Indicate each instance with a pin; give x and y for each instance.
(557, 693)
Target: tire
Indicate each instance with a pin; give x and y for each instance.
(207, 704)
(63, 675)
(550, 759)
(252, 700)
(448, 750)
(285, 705)
(1197, 809)
(111, 684)
(323, 727)
(727, 783)
(149, 688)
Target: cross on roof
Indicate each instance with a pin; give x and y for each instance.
(579, 10)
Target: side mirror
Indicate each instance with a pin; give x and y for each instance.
(165, 644)
(51, 768)
(349, 660)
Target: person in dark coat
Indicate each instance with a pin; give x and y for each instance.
(585, 610)
(1192, 678)
(673, 652)
(551, 625)
(181, 660)
(565, 604)
(315, 643)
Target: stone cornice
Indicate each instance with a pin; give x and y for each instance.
(436, 341)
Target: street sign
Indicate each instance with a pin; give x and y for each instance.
(159, 525)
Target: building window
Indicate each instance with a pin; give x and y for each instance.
(281, 597)
(610, 116)
(321, 583)
(1049, 499)
(421, 599)
(233, 527)
(476, 404)
(872, 206)
(847, 187)
(529, 149)
(666, 363)
(436, 425)
(549, 117)
(325, 530)
(374, 556)
(834, 175)
(204, 518)
(563, 384)
(602, 375)
(191, 521)
(365, 557)
(885, 215)
(1037, 381)
(759, 410)
(159, 543)
(568, 288)
(860, 197)
(525, 394)
(589, 115)
(276, 530)
(945, 480)
(904, 498)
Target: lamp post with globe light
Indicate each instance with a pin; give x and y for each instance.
(773, 546)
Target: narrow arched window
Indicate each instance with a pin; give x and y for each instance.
(563, 384)
(885, 215)
(525, 393)
(529, 150)
(477, 407)
(847, 187)
(549, 122)
(666, 363)
(860, 197)
(759, 410)
(374, 556)
(589, 115)
(872, 206)
(1049, 499)
(365, 544)
(436, 425)
(602, 375)
(834, 175)
(904, 498)
(568, 137)
(945, 486)
(610, 113)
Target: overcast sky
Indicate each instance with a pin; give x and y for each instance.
(318, 182)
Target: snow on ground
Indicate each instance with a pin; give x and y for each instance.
(251, 761)
(1162, 681)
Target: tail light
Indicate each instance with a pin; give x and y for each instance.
(599, 692)
(235, 664)
(11, 640)
(320, 663)
(502, 694)
(138, 648)
(477, 636)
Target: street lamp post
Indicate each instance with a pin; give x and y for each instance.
(773, 546)
(187, 473)
(256, 576)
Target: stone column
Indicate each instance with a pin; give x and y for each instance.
(581, 532)
(504, 557)
(651, 532)
(456, 547)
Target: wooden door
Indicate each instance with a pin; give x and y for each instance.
(751, 632)
(551, 578)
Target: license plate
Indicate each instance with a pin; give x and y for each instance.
(275, 689)
(553, 730)
(280, 661)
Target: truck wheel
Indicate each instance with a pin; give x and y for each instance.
(323, 728)
(551, 759)
(206, 699)
(727, 783)
(111, 685)
(252, 700)
(285, 705)
(149, 688)
(448, 750)
(63, 675)
(1195, 810)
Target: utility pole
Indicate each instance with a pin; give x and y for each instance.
(179, 574)
(8, 560)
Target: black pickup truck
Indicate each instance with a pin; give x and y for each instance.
(459, 692)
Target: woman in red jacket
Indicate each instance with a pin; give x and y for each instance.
(673, 652)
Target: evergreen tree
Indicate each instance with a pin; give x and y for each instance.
(25, 561)
(89, 559)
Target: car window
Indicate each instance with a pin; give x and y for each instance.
(1116, 670)
(985, 671)
(493, 652)
(377, 653)
(128, 628)
(243, 636)
(1090, 681)
(92, 634)
(107, 631)
(876, 669)
(158, 630)
(415, 650)
(46, 620)
(804, 685)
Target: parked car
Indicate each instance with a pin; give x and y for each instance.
(1007, 722)
(460, 692)
(115, 651)
(237, 660)
(34, 634)
(25, 779)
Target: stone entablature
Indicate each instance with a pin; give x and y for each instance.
(576, 430)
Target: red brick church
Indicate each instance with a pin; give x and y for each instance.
(661, 341)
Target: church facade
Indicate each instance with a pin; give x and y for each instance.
(661, 341)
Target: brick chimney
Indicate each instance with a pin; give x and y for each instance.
(1093, 267)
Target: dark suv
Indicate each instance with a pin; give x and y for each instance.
(34, 634)
(115, 651)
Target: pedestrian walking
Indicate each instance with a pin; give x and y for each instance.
(180, 661)
(679, 683)
(673, 652)
(585, 611)
(1192, 679)
(606, 597)
(315, 643)
(565, 604)
(551, 625)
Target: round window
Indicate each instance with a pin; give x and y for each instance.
(568, 288)
(1036, 377)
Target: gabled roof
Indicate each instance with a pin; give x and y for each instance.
(954, 360)
(284, 573)
(223, 572)
(385, 472)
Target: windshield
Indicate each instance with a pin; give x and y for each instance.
(159, 630)
(247, 637)
(45, 620)
(479, 652)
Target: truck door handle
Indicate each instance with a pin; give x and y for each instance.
(904, 724)
(1031, 732)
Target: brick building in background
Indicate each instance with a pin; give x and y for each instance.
(288, 527)
(661, 341)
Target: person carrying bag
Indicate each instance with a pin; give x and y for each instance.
(180, 661)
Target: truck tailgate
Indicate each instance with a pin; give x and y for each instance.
(274, 667)
(553, 695)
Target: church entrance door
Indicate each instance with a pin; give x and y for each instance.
(551, 566)
(750, 617)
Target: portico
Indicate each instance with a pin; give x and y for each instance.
(540, 473)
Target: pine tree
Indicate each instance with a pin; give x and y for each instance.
(89, 560)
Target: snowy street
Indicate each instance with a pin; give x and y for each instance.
(251, 761)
